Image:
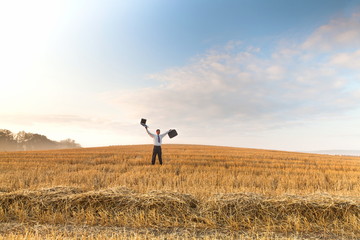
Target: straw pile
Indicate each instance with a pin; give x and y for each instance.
(119, 206)
(124, 207)
(316, 212)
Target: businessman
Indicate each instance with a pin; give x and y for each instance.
(157, 144)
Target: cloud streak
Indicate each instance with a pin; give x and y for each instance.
(341, 33)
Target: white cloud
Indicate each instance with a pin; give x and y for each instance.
(347, 60)
(339, 33)
(239, 87)
(275, 72)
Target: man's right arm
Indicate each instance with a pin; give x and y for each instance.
(150, 134)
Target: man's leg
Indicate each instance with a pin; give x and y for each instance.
(153, 156)
(159, 155)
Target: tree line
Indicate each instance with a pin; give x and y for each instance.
(23, 141)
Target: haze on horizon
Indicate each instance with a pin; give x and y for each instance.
(272, 74)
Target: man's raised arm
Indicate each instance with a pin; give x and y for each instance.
(164, 134)
(150, 134)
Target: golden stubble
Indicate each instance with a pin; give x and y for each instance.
(198, 187)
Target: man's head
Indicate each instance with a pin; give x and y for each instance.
(157, 131)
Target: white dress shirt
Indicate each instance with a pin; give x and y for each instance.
(155, 137)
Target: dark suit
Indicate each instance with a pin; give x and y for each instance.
(156, 151)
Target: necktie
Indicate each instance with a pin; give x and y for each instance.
(158, 138)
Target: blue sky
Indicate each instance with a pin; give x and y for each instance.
(270, 74)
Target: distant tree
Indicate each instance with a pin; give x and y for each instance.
(7, 141)
(31, 141)
(39, 142)
(68, 143)
(22, 138)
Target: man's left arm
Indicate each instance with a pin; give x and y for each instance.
(164, 134)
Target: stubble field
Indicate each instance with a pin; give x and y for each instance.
(200, 192)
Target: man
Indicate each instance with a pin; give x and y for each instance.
(157, 144)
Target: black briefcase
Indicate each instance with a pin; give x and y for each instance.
(172, 133)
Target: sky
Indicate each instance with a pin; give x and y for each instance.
(269, 74)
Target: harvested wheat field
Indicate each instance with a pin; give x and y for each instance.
(201, 192)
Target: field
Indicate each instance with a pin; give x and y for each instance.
(200, 192)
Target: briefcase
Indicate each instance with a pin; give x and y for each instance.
(172, 133)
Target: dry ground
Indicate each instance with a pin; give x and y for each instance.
(200, 192)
